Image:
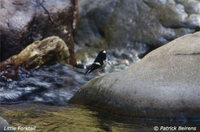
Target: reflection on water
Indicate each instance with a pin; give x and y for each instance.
(79, 118)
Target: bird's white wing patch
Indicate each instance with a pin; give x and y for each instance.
(97, 63)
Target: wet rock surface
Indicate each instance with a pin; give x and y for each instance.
(23, 22)
(165, 83)
(51, 49)
(116, 23)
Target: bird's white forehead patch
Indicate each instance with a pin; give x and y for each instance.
(104, 51)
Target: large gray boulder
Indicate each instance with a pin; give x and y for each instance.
(121, 22)
(25, 21)
(166, 82)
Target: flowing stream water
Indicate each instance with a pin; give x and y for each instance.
(56, 83)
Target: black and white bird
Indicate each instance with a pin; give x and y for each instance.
(99, 63)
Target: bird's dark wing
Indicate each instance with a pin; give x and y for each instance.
(100, 58)
(93, 67)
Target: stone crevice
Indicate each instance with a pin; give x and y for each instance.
(188, 54)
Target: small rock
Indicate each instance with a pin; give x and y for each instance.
(38, 53)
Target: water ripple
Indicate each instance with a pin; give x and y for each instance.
(54, 84)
